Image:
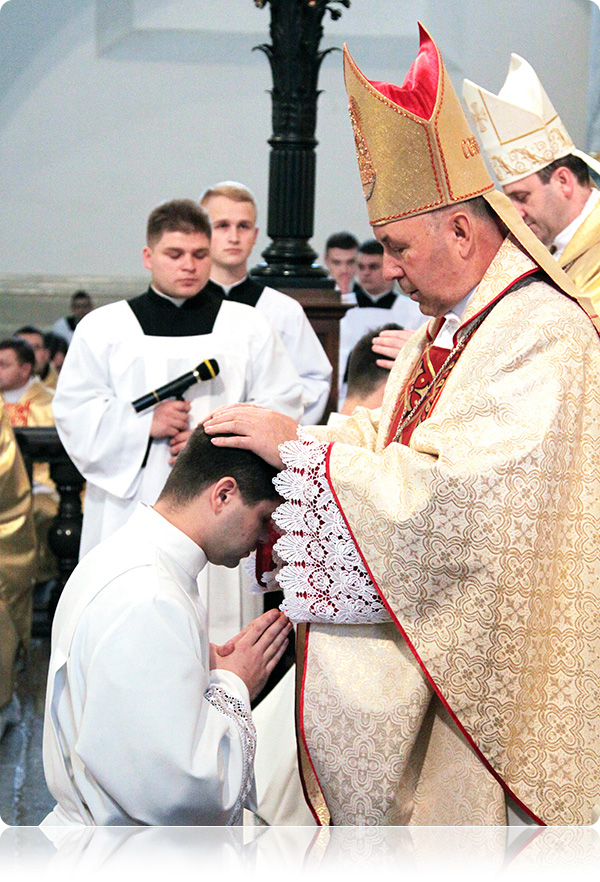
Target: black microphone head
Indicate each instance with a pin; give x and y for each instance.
(208, 369)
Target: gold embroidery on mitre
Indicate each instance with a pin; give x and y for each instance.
(522, 160)
(559, 139)
(365, 163)
(470, 147)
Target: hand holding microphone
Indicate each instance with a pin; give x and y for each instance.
(206, 370)
(171, 417)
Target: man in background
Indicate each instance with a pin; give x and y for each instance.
(17, 553)
(539, 168)
(376, 303)
(81, 304)
(44, 368)
(341, 252)
(231, 208)
(366, 378)
(28, 402)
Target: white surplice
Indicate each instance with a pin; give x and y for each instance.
(111, 362)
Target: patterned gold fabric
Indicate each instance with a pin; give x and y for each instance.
(581, 258)
(483, 537)
(17, 555)
(34, 408)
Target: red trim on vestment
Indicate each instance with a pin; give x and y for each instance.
(408, 431)
(529, 272)
(421, 664)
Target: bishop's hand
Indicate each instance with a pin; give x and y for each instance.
(252, 428)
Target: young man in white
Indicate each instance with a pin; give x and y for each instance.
(377, 303)
(126, 349)
(232, 211)
(146, 721)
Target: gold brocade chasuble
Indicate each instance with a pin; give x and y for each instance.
(482, 536)
(581, 258)
(17, 555)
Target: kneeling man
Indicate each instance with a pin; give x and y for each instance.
(147, 722)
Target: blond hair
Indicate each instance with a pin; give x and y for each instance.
(231, 190)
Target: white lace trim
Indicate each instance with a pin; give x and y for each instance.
(323, 577)
(235, 709)
(269, 578)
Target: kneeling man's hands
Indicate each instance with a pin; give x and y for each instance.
(253, 653)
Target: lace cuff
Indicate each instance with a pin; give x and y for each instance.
(235, 709)
(323, 577)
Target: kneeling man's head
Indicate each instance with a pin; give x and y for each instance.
(221, 497)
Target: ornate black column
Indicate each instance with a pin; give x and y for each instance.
(295, 59)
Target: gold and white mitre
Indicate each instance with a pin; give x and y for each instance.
(519, 128)
(416, 153)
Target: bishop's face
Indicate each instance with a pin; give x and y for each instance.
(418, 253)
(179, 263)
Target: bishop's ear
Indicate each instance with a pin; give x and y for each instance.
(462, 228)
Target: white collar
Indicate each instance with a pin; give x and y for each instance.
(176, 301)
(158, 531)
(453, 319)
(228, 288)
(12, 396)
(565, 236)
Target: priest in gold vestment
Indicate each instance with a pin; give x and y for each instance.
(551, 183)
(17, 563)
(443, 552)
(28, 402)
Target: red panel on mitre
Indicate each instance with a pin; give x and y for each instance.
(419, 91)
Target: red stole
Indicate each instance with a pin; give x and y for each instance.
(416, 403)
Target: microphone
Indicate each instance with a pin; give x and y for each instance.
(206, 370)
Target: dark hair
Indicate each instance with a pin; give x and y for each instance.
(345, 241)
(56, 343)
(81, 295)
(202, 463)
(364, 375)
(177, 216)
(371, 246)
(575, 165)
(29, 329)
(22, 349)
